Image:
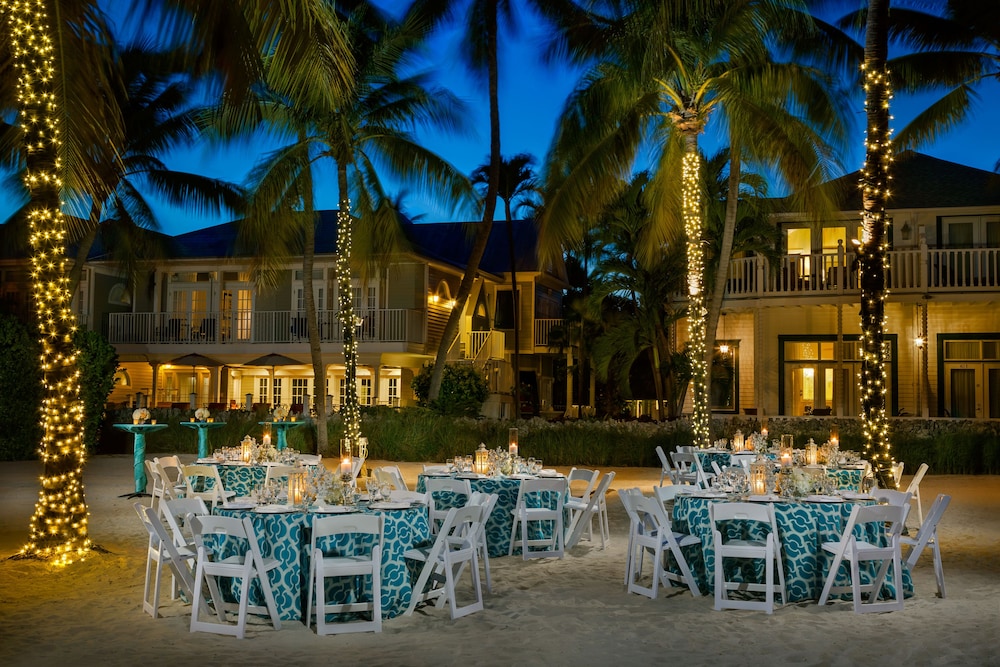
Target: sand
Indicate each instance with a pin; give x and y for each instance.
(573, 611)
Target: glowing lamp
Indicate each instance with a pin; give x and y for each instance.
(787, 445)
(758, 476)
(247, 450)
(296, 487)
(739, 442)
(482, 463)
(346, 468)
(512, 441)
(811, 455)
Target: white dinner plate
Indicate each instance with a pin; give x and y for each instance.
(854, 495)
(389, 506)
(824, 499)
(522, 475)
(332, 509)
(469, 475)
(274, 509)
(238, 506)
(549, 472)
(704, 494)
(767, 498)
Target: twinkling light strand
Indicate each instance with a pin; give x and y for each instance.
(873, 266)
(58, 527)
(697, 313)
(350, 410)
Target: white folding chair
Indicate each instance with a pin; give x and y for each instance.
(156, 485)
(538, 511)
(667, 494)
(445, 560)
(391, 475)
(742, 459)
(892, 497)
(767, 549)
(584, 482)
(657, 536)
(361, 563)
(489, 502)
(436, 509)
(203, 482)
(169, 468)
(666, 470)
(855, 548)
(178, 513)
(280, 472)
(584, 518)
(897, 472)
(629, 497)
(689, 470)
(914, 490)
(159, 552)
(927, 536)
(228, 548)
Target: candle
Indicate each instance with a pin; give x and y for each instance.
(345, 467)
(786, 459)
(267, 439)
(211, 419)
(763, 433)
(513, 449)
(152, 421)
(192, 418)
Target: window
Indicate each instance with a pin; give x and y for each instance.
(505, 310)
(365, 391)
(393, 391)
(300, 391)
(725, 374)
(262, 389)
(814, 378)
(343, 391)
(277, 391)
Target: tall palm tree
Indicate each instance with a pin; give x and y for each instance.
(366, 135)
(517, 181)
(36, 43)
(698, 61)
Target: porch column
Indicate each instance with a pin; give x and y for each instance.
(569, 381)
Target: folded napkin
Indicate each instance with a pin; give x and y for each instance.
(409, 496)
(436, 470)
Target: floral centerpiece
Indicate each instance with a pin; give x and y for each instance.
(140, 416)
(201, 414)
(795, 482)
(324, 486)
(280, 412)
(501, 462)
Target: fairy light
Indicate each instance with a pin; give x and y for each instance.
(58, 528)
(873, 266)
(350, 410)
(697, 314)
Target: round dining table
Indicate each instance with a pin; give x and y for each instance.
(286, 535)
(803, 526)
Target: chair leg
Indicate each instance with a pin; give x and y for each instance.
(938, 568)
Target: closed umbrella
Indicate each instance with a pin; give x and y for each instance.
(194, 360)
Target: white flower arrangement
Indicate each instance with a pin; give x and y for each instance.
(201, 414)
(140, 415)
(280, 412)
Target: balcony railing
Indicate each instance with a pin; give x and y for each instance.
(919, 270)
(378, 326)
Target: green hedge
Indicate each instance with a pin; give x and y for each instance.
(423, 435)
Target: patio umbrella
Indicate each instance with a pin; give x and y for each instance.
(194, 360)
(271, 360)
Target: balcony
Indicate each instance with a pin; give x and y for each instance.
(252, 327)
(917, 271)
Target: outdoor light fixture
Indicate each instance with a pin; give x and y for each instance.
(919, 341)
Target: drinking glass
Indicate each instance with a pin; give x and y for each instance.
(386, 490)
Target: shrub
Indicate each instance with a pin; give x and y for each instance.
(463, 390)
(97, 362)
(21, 388)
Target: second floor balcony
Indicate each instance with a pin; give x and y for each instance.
(917, 271)
(270, 327)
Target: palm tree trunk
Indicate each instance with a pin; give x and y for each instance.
(725, 253)
(517, 312)
(693, 226)
(58, 527)
(489, 208)
(349, 411)
(872, 254)
(312, 320)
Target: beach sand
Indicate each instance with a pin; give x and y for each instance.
(573, 611)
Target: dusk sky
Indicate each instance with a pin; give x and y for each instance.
(531, 96)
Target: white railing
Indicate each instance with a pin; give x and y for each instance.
(542, 330)
(380, 326)
(920, 270)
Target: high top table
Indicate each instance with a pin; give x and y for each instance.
(281, 428)
(203, 429)
(139, 432)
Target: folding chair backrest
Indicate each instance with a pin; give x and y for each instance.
(760, 512)
(541, 491)
(435, 487)
(928, 529)
(203, 482)
(280, 472)
(391, 475)
(178, 513)
(219, 529)
(583, 481)
(917, 478)
(891, 516)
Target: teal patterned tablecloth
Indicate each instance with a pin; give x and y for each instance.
(286, 537)
(802, 528)
(501, 519)
(241, 478)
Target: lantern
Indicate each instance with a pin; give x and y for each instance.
(512, 442)
(811, 455)
(739, 443)
(758, 476)
(296, 487)
(482, 463)
(247, 449)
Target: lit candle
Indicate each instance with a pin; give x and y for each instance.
(211, 419)
(763, 434)
(786, 459)
(513, 449)
(512, 440)
(267, 439)
(345, 467)
(192, 418)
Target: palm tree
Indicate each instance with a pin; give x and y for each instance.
(154, 105)
(517, 181)
(58, 527)
(699, 60)
(634, 295)
(366, 134)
